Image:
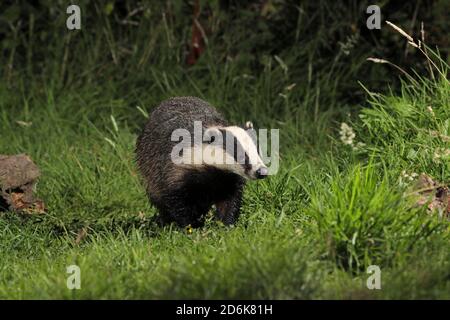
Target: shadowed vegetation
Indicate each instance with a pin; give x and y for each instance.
(76, 100)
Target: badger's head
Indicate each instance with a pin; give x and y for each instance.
(233, 149)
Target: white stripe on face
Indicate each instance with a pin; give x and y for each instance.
(246, 144)
(233, 149)
(244, 152)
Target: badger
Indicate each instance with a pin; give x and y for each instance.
(184, 191)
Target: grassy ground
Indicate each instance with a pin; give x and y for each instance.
(309, 232)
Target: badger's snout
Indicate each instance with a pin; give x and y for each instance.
(261, 173)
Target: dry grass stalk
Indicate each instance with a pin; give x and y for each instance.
(378, 60)
(416, 45)
(400, 30)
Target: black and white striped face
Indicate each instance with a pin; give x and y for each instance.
(233, 149)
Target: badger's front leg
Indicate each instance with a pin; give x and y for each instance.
(182, 210)
(228, 209)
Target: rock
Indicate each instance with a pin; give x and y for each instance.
(433, 194)
(18, 176)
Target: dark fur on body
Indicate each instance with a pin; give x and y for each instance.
(185, 195)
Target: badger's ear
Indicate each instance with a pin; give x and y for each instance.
(248, 125)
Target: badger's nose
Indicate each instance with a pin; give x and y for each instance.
(261, 173)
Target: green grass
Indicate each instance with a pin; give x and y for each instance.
(309, 232)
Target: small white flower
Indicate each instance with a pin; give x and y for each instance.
(405, 178)
(347, 134)
(441, 154)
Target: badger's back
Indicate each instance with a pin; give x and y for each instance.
(154, 145)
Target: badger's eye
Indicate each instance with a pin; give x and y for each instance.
(211, 140)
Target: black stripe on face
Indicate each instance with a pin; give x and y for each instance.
(238, 153)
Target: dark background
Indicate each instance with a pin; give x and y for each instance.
(125, 39)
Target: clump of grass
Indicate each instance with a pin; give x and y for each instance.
(363, 219)
(410, 131)
(361, 214)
